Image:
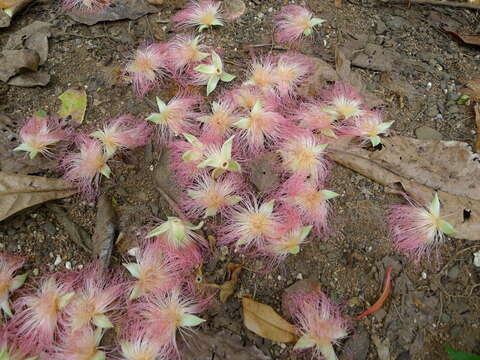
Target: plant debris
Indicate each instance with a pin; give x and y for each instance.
(387, 289)
(74, 104)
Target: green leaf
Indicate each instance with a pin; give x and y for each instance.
(268, 207)
(133, 269)
(6, 309)
(295, 250)
(158, 230)
(321, 147)
(18, 281)
(102, 321)
(329, 194)
(305, 231)
(257, 107)
(206, 69)
(375, 140)
(100, 355)
(191, 320)
(234, 166)
(212, 84)
(234, 199)
(196, 227)
(41, 114)
(74, 104)
(460, 355)
(305, 342)
(226, 150)
(211, 212)
(190, 156)
(161, 105)
(446, 227)
(316, 21)
(435, 206)
(243, 123)
(202, 27)
(384, 126)
(216, 60)
(192, 139)
(23, 147)
(136, 293)
(307, 32)
(105, 171)
(217, 172)
(227, 77)
(217, 22)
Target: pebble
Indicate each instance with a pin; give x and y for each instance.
(35, 272)
(49, 228)
(58, 260)
(424, 275)
(279, 277)
(68, 265)
(299, 276)
(476, 259)
(427, 133)
(133, 251)
(454, 272)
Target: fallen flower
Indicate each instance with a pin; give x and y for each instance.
(211, 74)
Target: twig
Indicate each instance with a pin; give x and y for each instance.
(442, 3)
(172, 204)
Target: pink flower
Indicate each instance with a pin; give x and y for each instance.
(207, 196)
(218, 124)
(210, 73)
(202, 14)
(89, 6)
(318, 117)
(139, 344)
(250, 223)
(185, 50)
(320, 324)
(39, 134)
(177, 233)
(309, 199)
(147, 67)
(85, 168)
(96, 296)
(154, 272)
(345, 100)
(220, 159)
(416, 230)
(13, 348)
(262, 74)
(291, 70)
(8, 282)
(293, 23)
(81, 344)
(290, 235)
(246, 96)
(176, 117)
(165, 315)
(369, 127)
(39, 315)
(260, 127)
(124, 132)
(302, 155)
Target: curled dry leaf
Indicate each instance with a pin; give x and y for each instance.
(18, 192)
(420, 168)
(74, 104)
(106, 229)
(387, 289)
(265, 322)
(471, 39)
(228, 287)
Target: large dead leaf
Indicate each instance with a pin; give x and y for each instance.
(228, 287)
(265, 322)
(422, 167)
(18, 192)
(471, 39)
(74, 104)
(106, 229)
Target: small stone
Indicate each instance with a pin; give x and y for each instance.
(80, 267)
(380, 27)
(424, 275)
(476, 259)
(49, 228)
(454, 272)
(58, 260)
(427, 133)
(299, 276)
(380, 315)
(133, 251)
(35, 272)
(279, 277)
(68, 265)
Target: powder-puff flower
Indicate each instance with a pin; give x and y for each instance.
(318, 117)
(13, 348)
(38, 315)
(250, 224)
(219, 122)
(293, 23)
(246, 96)
(290, 235)
(8, 282)
(262, 74)
(220, 159)
(141, 345)
(345, 101)
(309, 200)
(39, 134)
(260, 127)
(202, 14)
(168, 314)
(186, 49)
(290, 72)
(82, 344)
(370, 126)
(124, 132)
(302, 155)
(147, 67)
(88, 6)
(153, 271)
(211, 74)
(176, 117)
(416, 230)
(95, 297)
(320, 324)
(209, 196)
(84, 168)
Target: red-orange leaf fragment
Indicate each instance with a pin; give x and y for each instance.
(387, 289)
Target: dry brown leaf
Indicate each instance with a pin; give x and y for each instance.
(423, 167)
(477, 123)
(265, 322)
(472, 39)
(228, 287)
(5, 4)
(106, 229)
(338, 4)
(18, 192)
